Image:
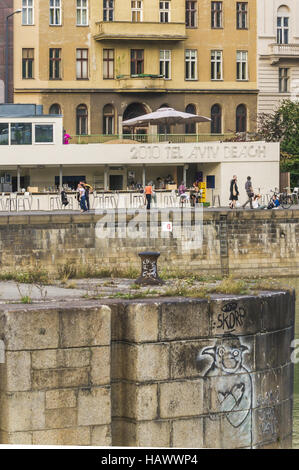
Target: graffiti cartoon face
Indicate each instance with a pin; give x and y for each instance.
(227, 354)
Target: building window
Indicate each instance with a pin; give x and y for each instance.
(191, 64)
(164, 12)
(137, 61)
(242, 15)
(108, 10)
(55, 64)
(82, 12)
(82, 64)
(55, 12)
(241, 118)
(282, 30)
(21, 133)
(27, 12)
(136, 7)
(283, 80)
(191, 127)
(55, 109)
(108, 119)
(216, 15)
(4, 130)
(191, 14)
(216, 119)
(165, 64)
(216, 65)
(27, 63)
(242, 65)
(43, 133)
(81, 120)
(108, 63)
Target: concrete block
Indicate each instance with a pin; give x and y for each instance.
(85, 327)
(138, 402)
(137, 322)
(94, 406)
(31, 328)
(178, 399)
(16, 438)
(140, 363)
(153, 434)
(61, 418)
(188, 433)
(184, 320)
(78, 436)
(60, 378)
(237, 315)
(25, 411)
(18, 371)
(100, 373)
(63, 398)
(101, 436)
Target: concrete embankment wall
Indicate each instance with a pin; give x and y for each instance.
(238, 242)
(174, 373)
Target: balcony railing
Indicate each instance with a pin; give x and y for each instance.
(126, 30)
(142, 81)
(284, 50)
(149, 138)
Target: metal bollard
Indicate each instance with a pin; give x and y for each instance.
(149, 269)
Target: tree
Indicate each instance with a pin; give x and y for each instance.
(283, 126)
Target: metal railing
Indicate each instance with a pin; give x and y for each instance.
(150, 138)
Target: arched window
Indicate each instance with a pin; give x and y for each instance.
(190, 128)
(108, 119)
(55, 109)
(81, 120)
(241, 118)
(216, 119)
(283, 24)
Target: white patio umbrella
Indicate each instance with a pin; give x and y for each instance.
(166, 117)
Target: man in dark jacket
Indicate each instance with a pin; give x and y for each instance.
(249, 191)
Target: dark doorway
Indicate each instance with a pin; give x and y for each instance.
(71, 181)
(116, 182)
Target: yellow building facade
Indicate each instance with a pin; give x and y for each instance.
(100, 62)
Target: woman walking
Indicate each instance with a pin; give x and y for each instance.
(234, 192)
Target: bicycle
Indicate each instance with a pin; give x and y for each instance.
(286, 199)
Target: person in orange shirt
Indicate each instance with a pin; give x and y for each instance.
(148, 190)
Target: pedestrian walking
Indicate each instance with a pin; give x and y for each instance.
(234, 192)
(249, 191)
(148, 190)
(82, 198)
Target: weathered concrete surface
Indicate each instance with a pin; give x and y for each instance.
(237, 241)
(155, 372)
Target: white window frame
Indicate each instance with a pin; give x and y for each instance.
(137, 11)
(107, 9)
(81, 6)
(27, 6)
(164, 12)
(55, 7)
(284, 79)
(280, 30)
(190, 58)
(242, 60)
(216, 58)
(165, 57)
(82, 64)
